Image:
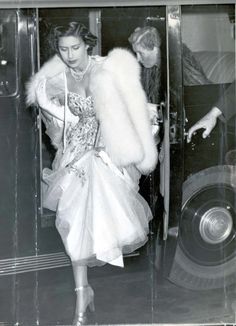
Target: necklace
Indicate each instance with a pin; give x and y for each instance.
(79, 75)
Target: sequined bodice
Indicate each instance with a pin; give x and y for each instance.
(81, 136)
(81, 106)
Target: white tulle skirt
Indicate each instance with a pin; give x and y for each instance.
(99, 213)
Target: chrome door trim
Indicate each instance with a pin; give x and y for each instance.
(173, 137)
(103, 3)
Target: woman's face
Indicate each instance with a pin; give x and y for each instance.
(73, 51)
(148, 58)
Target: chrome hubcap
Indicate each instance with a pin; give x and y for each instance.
(216, 225)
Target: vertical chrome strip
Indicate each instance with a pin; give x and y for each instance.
(40, 208)
(166, 142)
(95, 28)
(173, 143)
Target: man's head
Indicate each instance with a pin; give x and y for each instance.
(146, 44)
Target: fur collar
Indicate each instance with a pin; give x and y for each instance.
(52, 70)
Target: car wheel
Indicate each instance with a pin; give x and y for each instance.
(205, 256)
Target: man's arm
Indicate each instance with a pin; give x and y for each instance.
(226, 103)
(224, 108)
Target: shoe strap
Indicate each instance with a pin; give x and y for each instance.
(81, 315)
(80, 288)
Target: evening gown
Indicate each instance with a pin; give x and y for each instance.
(99, 213)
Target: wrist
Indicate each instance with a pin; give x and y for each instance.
(45, 106)
(44, 102)
(215, 112)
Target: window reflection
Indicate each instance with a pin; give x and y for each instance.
(209, 56)
(8, 76)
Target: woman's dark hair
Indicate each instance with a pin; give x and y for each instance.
(75, 29)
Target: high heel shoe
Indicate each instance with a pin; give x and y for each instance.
(88, 302)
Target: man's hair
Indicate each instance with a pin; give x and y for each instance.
(148, 37)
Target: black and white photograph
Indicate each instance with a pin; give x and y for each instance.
(117, 162)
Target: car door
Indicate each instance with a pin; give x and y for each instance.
(205, 232)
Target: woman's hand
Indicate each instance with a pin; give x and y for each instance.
(41, 94)
(56, 111)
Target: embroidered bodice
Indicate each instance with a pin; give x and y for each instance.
(81, 136)
(81, 106)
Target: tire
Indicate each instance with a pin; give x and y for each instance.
(205, 256)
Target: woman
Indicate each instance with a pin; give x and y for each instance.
(95, 112)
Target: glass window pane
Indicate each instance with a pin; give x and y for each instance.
(209, 56)
(8, 36)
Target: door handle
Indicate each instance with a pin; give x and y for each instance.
(173, 128)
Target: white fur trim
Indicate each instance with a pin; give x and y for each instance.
(50, 69)
(115, 123)
(122, 110)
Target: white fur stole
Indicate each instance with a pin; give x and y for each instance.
(122, 111)
(120, 104)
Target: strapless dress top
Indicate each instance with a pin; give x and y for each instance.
(80, 105)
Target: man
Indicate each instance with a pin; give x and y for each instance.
(146, 43)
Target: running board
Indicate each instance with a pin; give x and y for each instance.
(26, 264)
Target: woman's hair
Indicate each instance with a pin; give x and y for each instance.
(75, 29)
(147, 37)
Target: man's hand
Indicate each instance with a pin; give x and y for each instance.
(208, 122)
